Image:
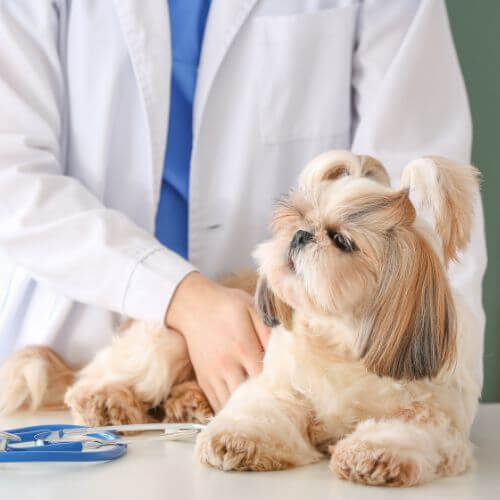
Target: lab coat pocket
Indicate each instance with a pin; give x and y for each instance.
(305, 71)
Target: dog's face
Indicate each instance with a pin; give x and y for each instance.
(346, 245)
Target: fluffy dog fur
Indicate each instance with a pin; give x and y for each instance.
(371, 359)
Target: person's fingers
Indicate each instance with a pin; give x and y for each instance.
(252, 354)
(235, 378)
(222, 394)
(211, 396)
(263, 332)
(253, 363)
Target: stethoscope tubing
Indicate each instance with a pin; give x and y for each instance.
(71, 451)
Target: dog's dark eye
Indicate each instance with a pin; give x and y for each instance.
(341, 242)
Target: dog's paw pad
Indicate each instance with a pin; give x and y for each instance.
(367, 463)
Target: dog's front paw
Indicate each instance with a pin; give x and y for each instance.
(187, 403)
(232, 450)
(364, 462)
(111, 404)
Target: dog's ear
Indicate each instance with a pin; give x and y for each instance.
(449, 190)
(331, 165)
(272, 310)
(373, 169)
(409, 327)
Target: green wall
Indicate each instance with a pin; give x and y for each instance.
(476, 28)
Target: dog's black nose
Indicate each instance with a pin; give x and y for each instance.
(300, 239)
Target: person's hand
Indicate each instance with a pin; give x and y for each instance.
(225, 336)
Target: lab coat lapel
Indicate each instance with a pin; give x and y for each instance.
(225, 19)
(146, 31)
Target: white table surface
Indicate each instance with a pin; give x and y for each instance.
(167, 471)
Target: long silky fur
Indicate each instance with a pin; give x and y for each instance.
(409, 330)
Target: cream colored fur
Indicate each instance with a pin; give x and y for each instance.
(315, 389)
(146, 358)
(317, 394)
(32, 378)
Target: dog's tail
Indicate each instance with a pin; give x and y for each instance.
(34, 377)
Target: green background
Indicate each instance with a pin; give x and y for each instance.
(476, 29)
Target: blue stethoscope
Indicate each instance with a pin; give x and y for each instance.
(73, 443)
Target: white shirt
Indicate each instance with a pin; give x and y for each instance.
(84, 93)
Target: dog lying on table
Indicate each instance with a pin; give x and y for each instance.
(371, 359)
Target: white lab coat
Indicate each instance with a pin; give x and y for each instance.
(84, 95)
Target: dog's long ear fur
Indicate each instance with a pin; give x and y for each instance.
(272, 310)
(449, 190)
(333, 164)
(409, 327)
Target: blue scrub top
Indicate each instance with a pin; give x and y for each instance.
(187, 26)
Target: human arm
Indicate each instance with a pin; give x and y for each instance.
(50, 223)
(225, 336)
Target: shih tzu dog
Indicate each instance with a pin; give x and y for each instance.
(371, 359)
